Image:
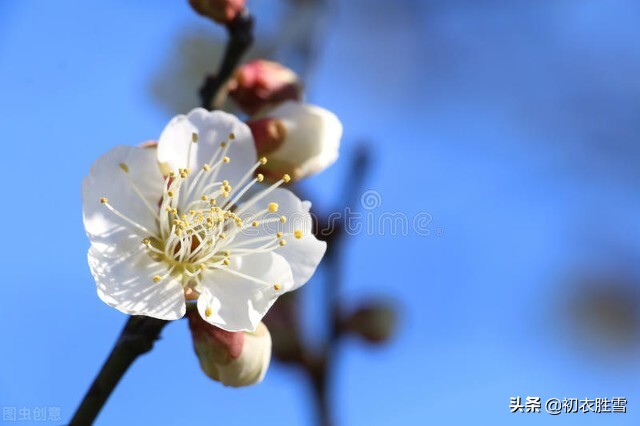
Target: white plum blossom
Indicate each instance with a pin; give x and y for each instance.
(190, 220)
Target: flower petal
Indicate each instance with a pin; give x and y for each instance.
(212, 128)
(235, 303)
(111, 176)
(126, 283)
(303, 254)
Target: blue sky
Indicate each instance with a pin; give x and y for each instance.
(513, 125)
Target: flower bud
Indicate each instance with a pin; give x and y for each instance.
(375, 322)
(260, 84)
(232, 358)
(297, 139)
(221, 11)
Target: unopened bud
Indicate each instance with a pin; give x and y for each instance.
(232, 358)
(298, 139)
(268, 134)
(149, 144)
(375, 322)
(221, 11)
(262, 84)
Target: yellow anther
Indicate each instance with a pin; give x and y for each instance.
(227, 253)
(283, 243)
(279, 234)
(263, 160)
(297, 233)
(223, 144)
(174, 211)
(146, 241)
(203, 266)
(226, 159)
(212, 202)
(283, 219)
(227, 262)
(194, 137)
(206, 167)
(232, 136)
(225, 194)
(273, 207)
(124, 167)
(255, 223)
(260, 177)
(172, 174)
(157, 278)
(104, 200)
(170, 193)
(183, 216)
(225, 182)
(204, 198)
(208, 311)
(223, 236)
(286, 178)
(192, 212)
(277, 287)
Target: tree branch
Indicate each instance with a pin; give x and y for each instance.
(240, 40)
(137, 337)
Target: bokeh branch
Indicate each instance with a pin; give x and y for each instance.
(136, 338)
(320, 371)
(240, 31)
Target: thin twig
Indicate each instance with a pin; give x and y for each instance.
(320, 369)
(137, 337)
(240, 39)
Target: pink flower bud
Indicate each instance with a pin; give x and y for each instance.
(297, 139)
(268, 134)
(260, 84)
(221, 11)
(232, 358)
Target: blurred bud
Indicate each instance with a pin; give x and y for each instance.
(221, 11)
(149, 144)
(297, 139)
(374, 321)
(234, 359)
(260, 84)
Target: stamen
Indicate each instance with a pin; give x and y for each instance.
(105, 202)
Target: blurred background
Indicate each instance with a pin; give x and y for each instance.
(512, 126)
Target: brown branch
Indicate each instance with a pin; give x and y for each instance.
(240, 40)
(137, 337)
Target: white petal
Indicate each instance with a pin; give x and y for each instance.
(303, 254)
(108, 233)
(237, 303)
(313, 136)
(212, 128)
(174, 142)
(126, 283)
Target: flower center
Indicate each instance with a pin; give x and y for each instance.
(199, 222)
